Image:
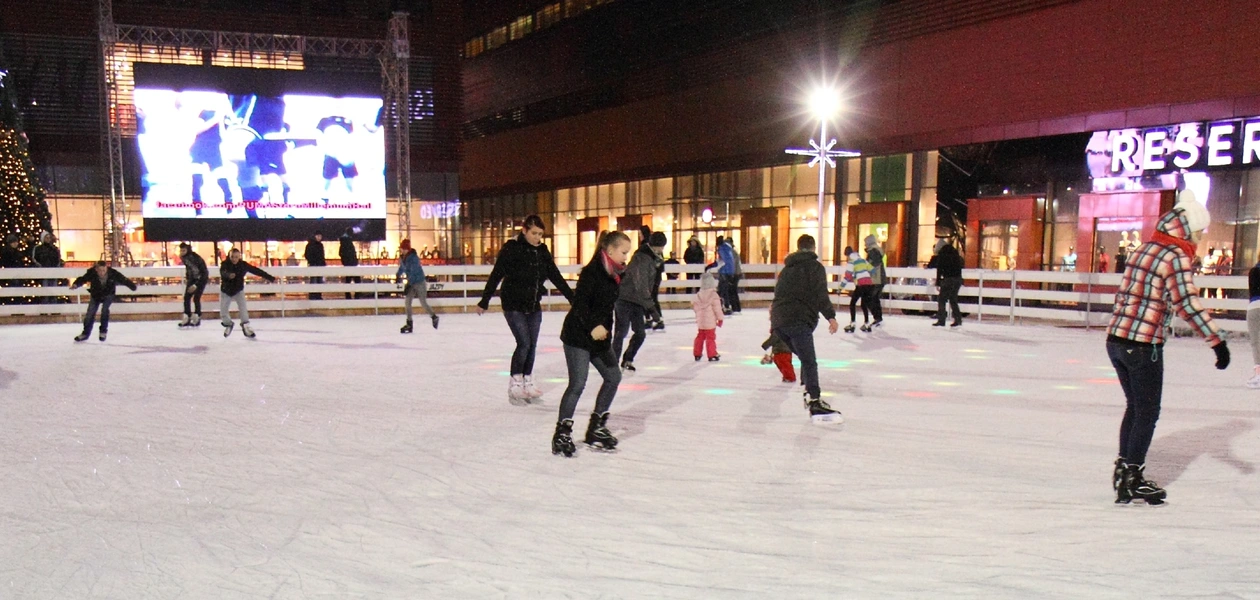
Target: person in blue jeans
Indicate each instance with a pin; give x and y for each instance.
(585, 336)
(102, 281)
(800, 295)
(524, 264)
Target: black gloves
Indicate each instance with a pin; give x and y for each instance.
(1222, 355)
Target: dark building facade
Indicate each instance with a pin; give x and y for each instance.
(606, 114)
(52, 52)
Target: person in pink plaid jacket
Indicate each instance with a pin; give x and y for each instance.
(708, 307)
(1158, 282)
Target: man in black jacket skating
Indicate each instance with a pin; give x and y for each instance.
(196, 276)
(800, 296)
(102, 281)
(232, 289)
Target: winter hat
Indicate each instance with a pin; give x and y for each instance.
(871, 242)
(1196, 214)
(658, 240)
(183, 245)
(708, 281)
(405, 245)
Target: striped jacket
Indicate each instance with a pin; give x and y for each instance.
(1158, 282)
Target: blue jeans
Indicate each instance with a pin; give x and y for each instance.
(800, 340)
(629, 315)
(524, 328)
(1141, 372)
(89, 320)
(579, 361)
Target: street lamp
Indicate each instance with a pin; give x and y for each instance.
(823, 104)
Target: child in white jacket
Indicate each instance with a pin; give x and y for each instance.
(708, 307)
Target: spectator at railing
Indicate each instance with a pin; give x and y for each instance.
(11, 255)
(694, 255)
(48, 256)
(314, 255)
(349, 258)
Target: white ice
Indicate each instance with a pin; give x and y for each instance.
(336, 458)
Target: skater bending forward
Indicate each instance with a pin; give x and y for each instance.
(232, 289)
(417, 287)
(800, 296)
(102, 281)
(1157, 283)
(585, 336)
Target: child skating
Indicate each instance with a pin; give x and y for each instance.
(862, 292)
(102, 281)
(778, 353)
(585, 337)
(708, 307)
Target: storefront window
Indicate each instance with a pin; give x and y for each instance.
(999, 243)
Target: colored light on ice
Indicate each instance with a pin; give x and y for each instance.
(633, 387)
(1005, 392)
(892, 376)
(975, 350)
(1067, 387)
(1103, 381)
(946, 383)
(922, 395)
(716, 392)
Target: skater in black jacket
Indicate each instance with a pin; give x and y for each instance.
(949, 267)
(196, 276)
(800, 296)
(102, 281)
(585, 336)
(523, 266)
(636, 306)
(232, 289)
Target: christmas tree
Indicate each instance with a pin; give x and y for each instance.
(23, 209)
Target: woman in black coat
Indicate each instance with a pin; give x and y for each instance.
(585, 336)
(523, 266)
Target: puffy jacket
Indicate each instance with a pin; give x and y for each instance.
(195, 272)
(314, 253)
(346, 252)
(640, 278)
(948, 263)
(694, 254)
(592, 305)
(47, 255)
(875, 256)
(232, 276)
(100, 289)
(1159, 282)
(708, 308)
(726, 259)
(523, 269)
(411, 267)
(800, 295)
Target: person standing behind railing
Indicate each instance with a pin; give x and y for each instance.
(694, 255)
(1253, 322)
(416, 286)
(349, 258)
(196, 276)
(47, 255)
(314, 255)
(102, 281)
(524, 265)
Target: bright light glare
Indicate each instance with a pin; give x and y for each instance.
(824, 103)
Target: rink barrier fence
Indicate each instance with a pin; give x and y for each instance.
(1071, 298)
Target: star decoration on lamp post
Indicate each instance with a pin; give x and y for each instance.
(824, 154)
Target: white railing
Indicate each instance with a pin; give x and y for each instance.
(1083, 299)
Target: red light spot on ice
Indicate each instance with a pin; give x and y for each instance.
(922, 394)
(1101, 381)
(633, 387)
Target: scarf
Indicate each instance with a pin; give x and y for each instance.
(1168, 240)
(612, 267)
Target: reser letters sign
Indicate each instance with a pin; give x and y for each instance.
(1170, 148)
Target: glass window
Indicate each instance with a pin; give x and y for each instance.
(888, 178)
(781, 181)
(999, 242)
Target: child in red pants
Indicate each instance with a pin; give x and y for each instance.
(778, 353)
(708, 307)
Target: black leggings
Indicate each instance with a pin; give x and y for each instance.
(862, 293)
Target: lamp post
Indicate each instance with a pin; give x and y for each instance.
(823, 104)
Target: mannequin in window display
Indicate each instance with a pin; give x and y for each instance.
(1069, 260)
(1104, 261)
(1122, 251)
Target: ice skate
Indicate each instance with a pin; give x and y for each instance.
(659, 326)
(715, 358)
(247, 330)
(81, 336)
(101, 337)
(698, 358)
(956, 323)
(627, 366)
(938, 324)
(532, 394)
(434, 318)
(1135, 486)
(866, 327)
(195, 321)
(1117, 474)
(850, 328)
(227, 328)
(185, 321)
(822, 413)
(877, 323)
(1254, 382)
(406, 328)
(562, 440)
(597, 434)
(516, 391)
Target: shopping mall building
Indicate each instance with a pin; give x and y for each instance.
(1036, 131)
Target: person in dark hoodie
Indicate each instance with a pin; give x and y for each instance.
(656, 318)
(417, 287)
(314, 255)
(232, 289)
(47, 255)
(635, 306)
(694, 255)
(102, 281)
(1158, 282)
(523, 265)
(196, 276)
(879, 278)
(585, 336)
(349, 258)
(800, 295)
(949, 266)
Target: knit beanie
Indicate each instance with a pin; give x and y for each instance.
(708, 281)
(1196, 214)
(658, 240)
(871, 242)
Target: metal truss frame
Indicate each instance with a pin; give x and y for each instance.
(393, 53)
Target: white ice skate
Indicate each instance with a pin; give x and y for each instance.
(1254, 382)
(185, 321)
(516, 391)
(247, 330)
(532, 394)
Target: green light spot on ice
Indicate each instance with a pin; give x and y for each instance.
(719, 392)
(1005, 392)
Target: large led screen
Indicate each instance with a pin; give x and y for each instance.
(249, 154)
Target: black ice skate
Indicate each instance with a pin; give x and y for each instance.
(227, 328)
(597, 434)
(102, 336)
(435, 321)
(866, 327)
(1135, 486)
(659, 326)
(850, 328)
(407, 328)
(1117, 474)
(562, 441)
(715, 358)
(185, 321)
(697, 358)
(627, 366)
(247, 330)
(822, 413)
(956, 323)
(81, 336)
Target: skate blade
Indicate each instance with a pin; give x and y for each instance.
(598, 448)
(832, 420)
(518, 401)
(565, 453)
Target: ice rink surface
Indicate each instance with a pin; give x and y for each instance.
(336, 458)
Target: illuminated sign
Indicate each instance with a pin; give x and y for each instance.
(1154, 151)
(439, 210)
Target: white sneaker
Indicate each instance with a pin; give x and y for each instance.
(531, 392)
(516, 391)
(1254, 382)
